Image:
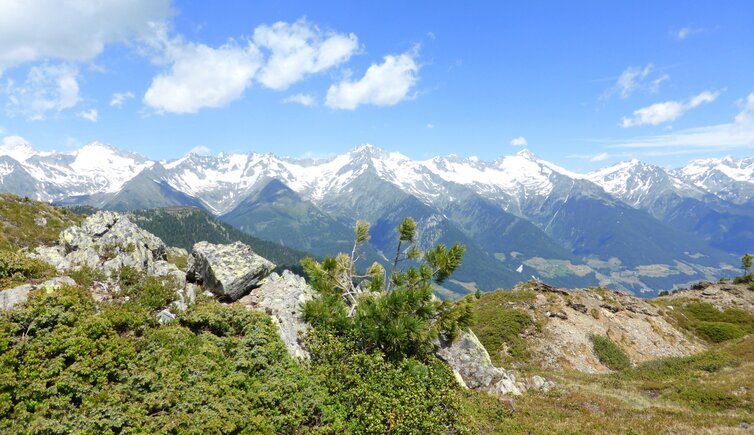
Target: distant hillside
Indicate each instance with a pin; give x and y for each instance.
(184, 226)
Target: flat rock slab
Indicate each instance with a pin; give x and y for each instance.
(19, 295)
(228, 271)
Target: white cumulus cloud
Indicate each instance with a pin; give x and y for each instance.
(89, 115)
(667, 111)
(302, 99)
(202, 76)
(300, 48)
(383, 84)
(119, 98)
(519, 141)
(712, 138)
(71, 30)
(47, 88)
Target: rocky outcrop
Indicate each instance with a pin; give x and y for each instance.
(228, 271)
(473, 368)
(282, 297)
(567, 319)
(108, 241)
(721, 296)
(18, 295)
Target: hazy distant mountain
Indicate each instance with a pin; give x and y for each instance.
(685, 200)
(632, 225)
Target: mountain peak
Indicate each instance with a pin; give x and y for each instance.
(16, 148)
(525, 153)
(368, 150)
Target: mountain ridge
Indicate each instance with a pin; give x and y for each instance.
(568, 225)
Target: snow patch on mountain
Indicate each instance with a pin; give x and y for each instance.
(737, 170)
(16, 148)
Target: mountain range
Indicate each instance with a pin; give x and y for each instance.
(632, 226)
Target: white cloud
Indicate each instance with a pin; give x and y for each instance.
(519, 141)
(47, 88)
(633, 79)
(303, 99)
(737, 134)
(71, 30)
(200, 150)
(746, 116)
(685, 32)
(385, 84)
(119, 98)
(300, 48)
(667, 111)
(654, 86)
(202, 76)
(430, 126)
(599, 157)
(89, 115)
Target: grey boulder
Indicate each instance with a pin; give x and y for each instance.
(18, 295)
(282, 298)
(472, 366)
(228, 271)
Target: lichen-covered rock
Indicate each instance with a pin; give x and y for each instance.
(228, 271)
(163, 268)
(105, 241)
(470, 361)
(18, 295)
(177, 252)
(282, 297)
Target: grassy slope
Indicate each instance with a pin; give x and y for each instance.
(677, 397)
(709, 392)
(17, 227)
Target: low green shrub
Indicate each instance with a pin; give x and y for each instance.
(15, 268)
(717, 332)
(65, 367)
(609, 353)
(499, 325)
(375, 394)
(712, 324)
(674, 367)
(138, 290)
(704, 398)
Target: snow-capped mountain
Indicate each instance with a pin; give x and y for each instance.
(633, 224)
(641, 184)
(93, 169)
(728, 178)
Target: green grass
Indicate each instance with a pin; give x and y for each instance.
(609, 353)
(717, 332)
(712, 392)
(17, 227)
(709, 323)
(499, 326)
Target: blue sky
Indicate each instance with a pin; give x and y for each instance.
(583, 84)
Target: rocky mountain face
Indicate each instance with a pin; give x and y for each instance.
(632, 226)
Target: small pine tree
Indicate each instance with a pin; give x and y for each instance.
(394, 312)
(746, 261)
